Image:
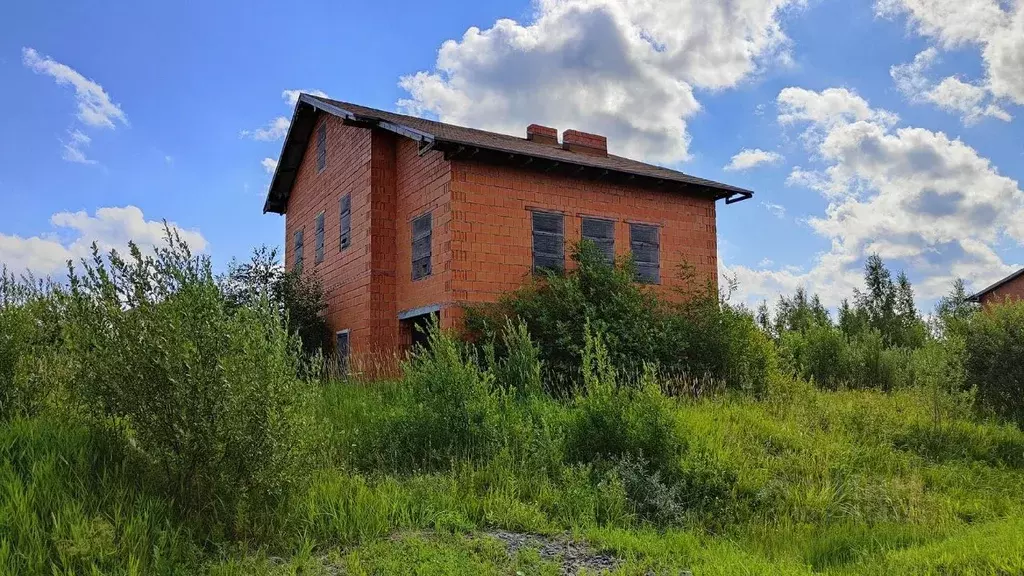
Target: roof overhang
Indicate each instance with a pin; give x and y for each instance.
(976, 297)
(308, 108)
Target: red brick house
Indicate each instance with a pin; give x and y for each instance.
(1009, 288)
(403, 217)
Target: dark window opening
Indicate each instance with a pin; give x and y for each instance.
(297, 265)
(341, 351)
(421, 234)
(321, 147)
(346, 221)
(319, 248)
(645, 243)
(548, 242)
(602, 233)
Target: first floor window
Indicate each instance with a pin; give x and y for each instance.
(645, 243)
(548, 242)
(297, 250)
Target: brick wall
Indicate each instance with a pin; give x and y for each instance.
(481, 241)
(423, 185)
(492, 230)
(345, 275)
(1012, 290)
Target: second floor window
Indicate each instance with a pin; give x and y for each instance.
(319, 248)
(297, 250)
(321, 147)
(602, 233)
(421, 232)
(548, 242)
(345, 221)
(645, 243)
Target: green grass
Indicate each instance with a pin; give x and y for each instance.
(855, 482)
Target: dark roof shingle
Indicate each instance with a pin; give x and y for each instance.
(438, 132)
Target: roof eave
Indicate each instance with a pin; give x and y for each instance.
(301, 127)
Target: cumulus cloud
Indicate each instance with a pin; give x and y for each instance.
(95, 108)
(269, 165)
(626, 69)
(74, 232)
(995, 27)
(918, 198)
(971, 101)
(277, 128)
(748, 158)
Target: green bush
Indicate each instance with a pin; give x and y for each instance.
(205, 390)
(994, 352)
(520, 369)
(555, 307)
(298, 297)
(33, 373)
(445, 409)
(700, 337)
(610, 422)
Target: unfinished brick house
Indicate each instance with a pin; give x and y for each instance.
(403, 218)
(1009, 288)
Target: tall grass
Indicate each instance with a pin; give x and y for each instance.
(178, 432)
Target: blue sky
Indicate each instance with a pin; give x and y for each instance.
(889, 126)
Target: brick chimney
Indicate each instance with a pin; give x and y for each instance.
(585, 143)
(542, 134)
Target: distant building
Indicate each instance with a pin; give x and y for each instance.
(1009, 288)
(403, 218)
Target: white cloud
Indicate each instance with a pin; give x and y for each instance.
(971, 101)
(625, 69)
(777, 210)
(292, 96)
(274, 130)
(95, 107)
(748, 158)
(910, 78)
(74, 233)
(278, 127)
(954, 95)
(996, 27)
(918, 198)
(73, 147)
(269, 165)
(828, 108)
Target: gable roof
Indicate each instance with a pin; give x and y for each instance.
(976, 297)
(460, 142)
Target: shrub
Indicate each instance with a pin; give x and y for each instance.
(555, 307)
(995, 347)
(821, 354)
(611, 422)
(206, 391)
(443, 410)
(700, 337)
(29, 346)
(299, 298)
(520, 368)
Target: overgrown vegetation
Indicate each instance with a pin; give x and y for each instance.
(158, 420)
